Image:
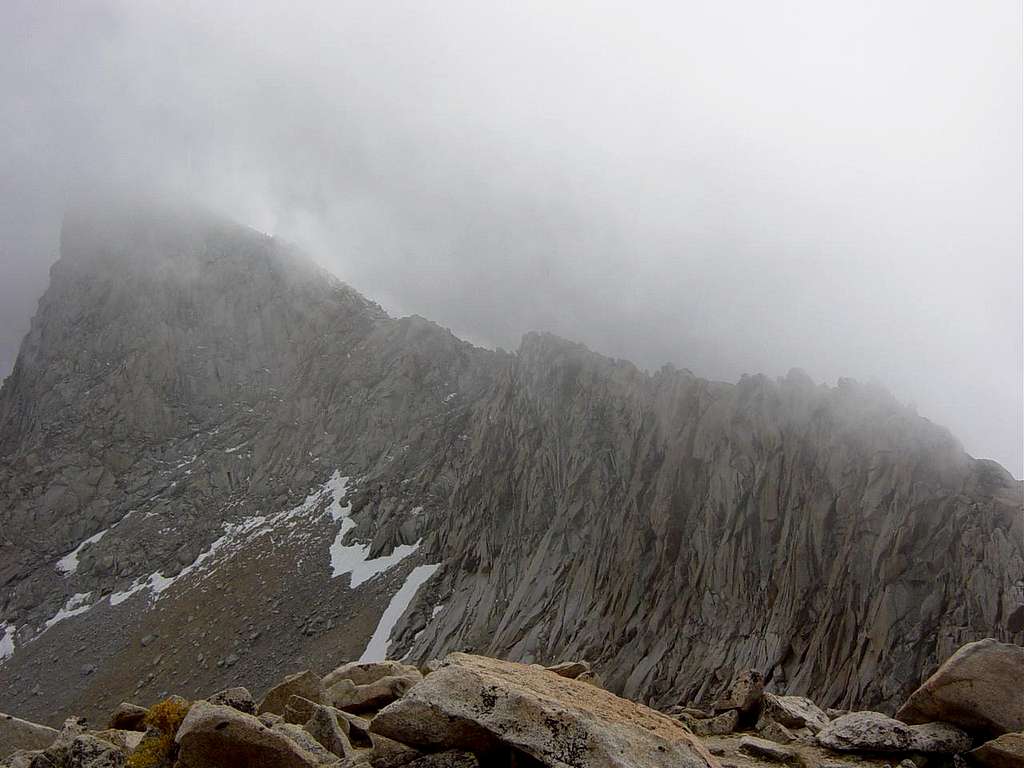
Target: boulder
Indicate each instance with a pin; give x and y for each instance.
(744, 692)
(940, 738)
(372, 696)
(305, 684)
(88, 751)
(16, 734)
(977, 688)
(364, 673)
(570, 669)
(763, 749)
(357, 729)
(305, 741)
(329, 730)
(1007, 751)
(238, 698)
(216, 735)
(128, 717)
(875, 732)
(341, 691)
(388, 753)
(485, 705)
(59, 748)
(792, 712)
(776, 732)
(299, 709)
(124, 740)
(269, 719)
(715, 726)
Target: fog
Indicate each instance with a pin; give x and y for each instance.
(728, 186)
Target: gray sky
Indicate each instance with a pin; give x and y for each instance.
(729, 186)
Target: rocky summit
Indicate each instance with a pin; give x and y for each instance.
(218, 463)
(469, 711)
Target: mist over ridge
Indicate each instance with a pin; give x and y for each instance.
(830, 188)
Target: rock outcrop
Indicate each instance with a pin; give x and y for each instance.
(980, 688)
(1007, 751)
(305, 684)
(483, 705)
(875, 732)
(469, 711)
(203, 428)
(743, 694)
(215, 735)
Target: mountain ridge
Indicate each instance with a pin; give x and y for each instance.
(672, 529)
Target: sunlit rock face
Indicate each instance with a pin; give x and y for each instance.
(207, 442)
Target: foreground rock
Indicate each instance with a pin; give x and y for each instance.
(238, 698)
(1005, 752)
(57, 752)
(768, 750)
(743, 694)
(372, 696)
(366, 672)
(792, 712)
(306, 684)
(713, 726)
(978, 688)
(483, 705)
(16, 734)
(217, 735)
(128, 717)
(570, 669)
(330, 731)
(875, 732)
(88, 751)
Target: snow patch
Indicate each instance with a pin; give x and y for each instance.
(6, 641)
(236, 535)
(355, 560)
(75, 605)
(376, 649)
(69, 563)
(116, 598)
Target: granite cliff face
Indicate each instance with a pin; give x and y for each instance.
(207, 442)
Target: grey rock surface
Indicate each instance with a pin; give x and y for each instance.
(479, 705)
(217, 735)
(1007, 751)
(768, 750)
(744, 692)
(792, 712)
(874, 732)
(980, 688)
(203, 430)
(16, 734)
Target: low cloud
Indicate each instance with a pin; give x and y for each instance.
(728, 187)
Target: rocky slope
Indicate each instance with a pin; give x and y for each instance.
(218, 461)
